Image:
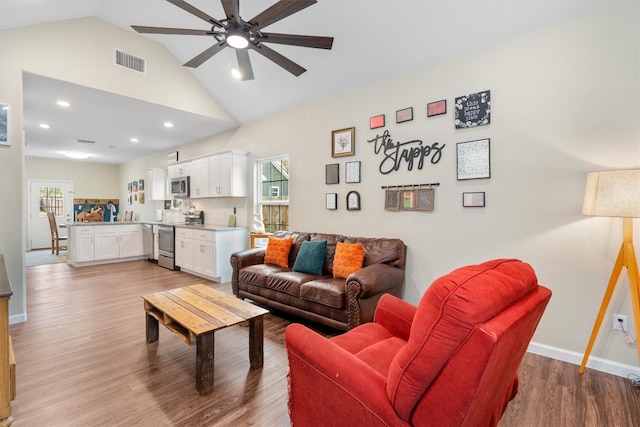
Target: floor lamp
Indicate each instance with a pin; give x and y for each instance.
(616, 194)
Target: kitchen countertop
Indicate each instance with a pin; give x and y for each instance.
(213, 227)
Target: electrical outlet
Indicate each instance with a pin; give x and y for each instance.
(619, 322)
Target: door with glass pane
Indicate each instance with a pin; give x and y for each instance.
(47, 196)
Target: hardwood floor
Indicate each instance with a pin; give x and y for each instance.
(82, 360)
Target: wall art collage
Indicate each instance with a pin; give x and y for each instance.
(473, 158)
(136, 192)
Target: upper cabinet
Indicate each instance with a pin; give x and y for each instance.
(217, 175)
(178, 170)
(228, 174)
(199, 181)
(157, 184)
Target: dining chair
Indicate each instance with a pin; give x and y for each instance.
(55, 235)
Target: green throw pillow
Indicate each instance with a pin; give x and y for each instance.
(311, 257)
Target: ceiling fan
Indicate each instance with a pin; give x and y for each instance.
(242, 35)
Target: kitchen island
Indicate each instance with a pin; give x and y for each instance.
(91, 243)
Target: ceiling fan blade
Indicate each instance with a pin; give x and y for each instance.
(195, 11)
(162, 30)
(232, 10)
(244, 64)
(200, 59)
(297, 40)
(278, 11)
(282, 61)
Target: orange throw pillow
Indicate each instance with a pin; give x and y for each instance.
(348, 258)
(278, 251)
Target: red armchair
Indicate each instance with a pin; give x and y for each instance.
(451, 361)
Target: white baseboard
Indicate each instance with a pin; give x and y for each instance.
(604, 365)
(18, 318)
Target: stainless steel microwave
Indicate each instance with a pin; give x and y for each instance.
(180, 186)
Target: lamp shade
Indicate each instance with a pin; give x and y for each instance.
(613, 193)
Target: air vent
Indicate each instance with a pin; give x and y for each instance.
(85, 141)
(132, 62)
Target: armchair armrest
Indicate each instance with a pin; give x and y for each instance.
(328, 383)
(375, 279)
(395, 315)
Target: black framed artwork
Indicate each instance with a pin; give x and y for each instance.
(473, 110)
(474, 159)
(332, 173)
(353, 201)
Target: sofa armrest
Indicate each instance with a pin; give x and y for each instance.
(328, 383)
(375, 279)
(395, 315)
(242, 259)
(247, 257)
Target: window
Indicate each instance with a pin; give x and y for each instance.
(51, 199)
(273, 193)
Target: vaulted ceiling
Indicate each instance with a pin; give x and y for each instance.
(372, 39)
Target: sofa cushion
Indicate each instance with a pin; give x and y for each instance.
(257, 274)
(348, 259)
(288, 282)
(311, 257)
(329, 292)
(277, 252)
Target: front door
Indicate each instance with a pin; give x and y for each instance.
(45, 196)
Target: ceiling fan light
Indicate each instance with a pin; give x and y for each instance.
(237, 38)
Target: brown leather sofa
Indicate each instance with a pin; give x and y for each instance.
(338, 303)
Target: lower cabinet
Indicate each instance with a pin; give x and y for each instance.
(207, 253)
(103, 243)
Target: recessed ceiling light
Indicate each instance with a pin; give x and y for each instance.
(44, 126)
(168, 124)
(63, 103)
(235, 73)
(76, 155)
(135, 140)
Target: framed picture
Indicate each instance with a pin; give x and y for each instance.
(473, 110)
(134, 186)
(353, 201)
(437, 108)
(141, 185)
(424, 199)
(332, 173)
(331, 201)
(129, 187)
(343, 142)
(473, 159)
(376, 121)
(392, 200)
(352, 172)
(408, 202)
(141, 198)
(473, 199)
(404, 115)
(4, 124)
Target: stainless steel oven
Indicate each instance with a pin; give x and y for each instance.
(166, 246)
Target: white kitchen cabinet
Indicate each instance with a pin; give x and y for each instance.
(81, 244)
(183, 248)
(156, 184)
(195, 251)
(118, 241)
(199, 181)
(228, 174)
(178, 170)
(207, 252)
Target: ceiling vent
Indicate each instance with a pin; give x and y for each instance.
(85, 141)
(132, 62)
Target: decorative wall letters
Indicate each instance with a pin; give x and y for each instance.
(395, 153)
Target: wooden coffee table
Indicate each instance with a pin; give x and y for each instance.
(194, 313)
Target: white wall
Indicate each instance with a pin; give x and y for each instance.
(564, 102)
